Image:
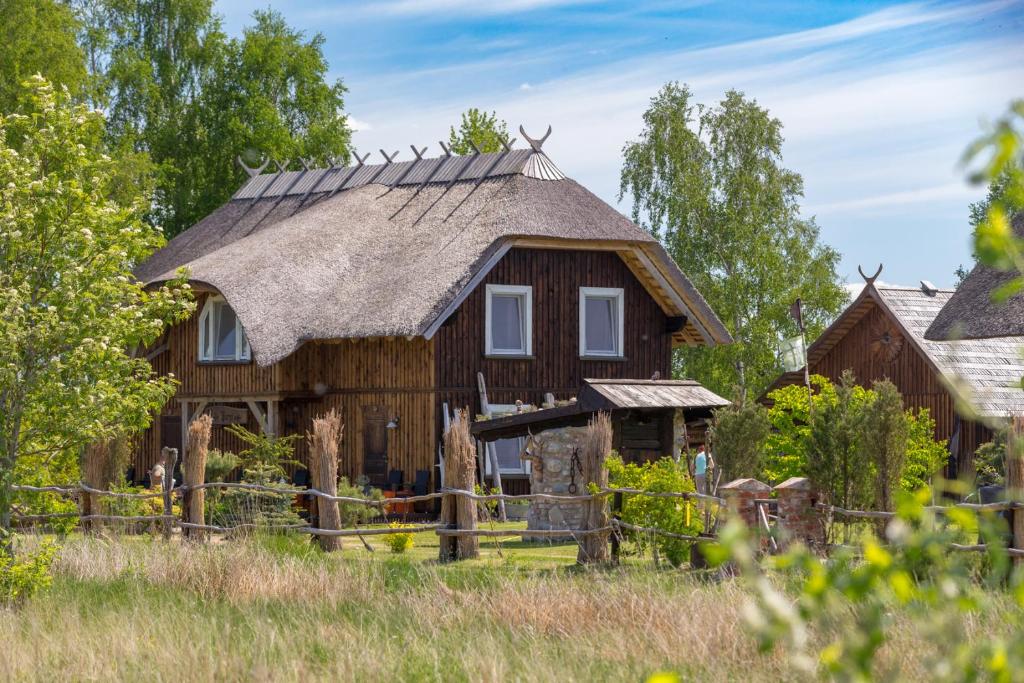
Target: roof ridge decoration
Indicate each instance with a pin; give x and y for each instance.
(870, 280)
(445, 169)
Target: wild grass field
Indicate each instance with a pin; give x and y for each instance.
(136, 608)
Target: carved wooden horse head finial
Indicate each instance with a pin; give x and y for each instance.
(870, 280)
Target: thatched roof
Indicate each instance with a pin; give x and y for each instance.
(990, 370)
(392, 250)
(971, 313)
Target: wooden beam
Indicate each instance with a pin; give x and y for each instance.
(261, 417)
(492, 454)
(200, 407)
(184, 430)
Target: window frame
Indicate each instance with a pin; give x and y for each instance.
(501, 410)
(617, 295)
(526, 293)
(211, 310)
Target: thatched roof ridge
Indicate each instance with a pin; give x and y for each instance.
(378, 260)
(971, 313)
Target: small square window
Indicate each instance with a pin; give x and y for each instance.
(509, 320)
(601, 322)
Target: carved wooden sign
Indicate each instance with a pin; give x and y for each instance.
(226, 415)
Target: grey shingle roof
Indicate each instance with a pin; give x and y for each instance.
(990, 369)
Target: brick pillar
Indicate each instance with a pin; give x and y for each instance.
(740, 496)
(798, 519)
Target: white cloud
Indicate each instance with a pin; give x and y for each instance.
(433, 7)
(525, 86)
(358, 125)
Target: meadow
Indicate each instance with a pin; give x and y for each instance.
(277, 608)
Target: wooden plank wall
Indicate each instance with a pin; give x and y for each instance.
(395, 373)
(556, 276)
(909, 371)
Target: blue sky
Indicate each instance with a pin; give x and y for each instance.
(878, 99)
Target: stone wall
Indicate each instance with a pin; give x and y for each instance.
(551, 472)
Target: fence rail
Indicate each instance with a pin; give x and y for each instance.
(614, 526)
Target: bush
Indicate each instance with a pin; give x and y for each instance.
(354, 513)
(674, 515)
(399, 543)
(738, 438)
(21, 578)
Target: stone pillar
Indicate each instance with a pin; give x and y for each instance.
(551, 472)
(740, 495)
(798, 519)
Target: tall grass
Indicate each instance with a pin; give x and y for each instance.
(281, 609)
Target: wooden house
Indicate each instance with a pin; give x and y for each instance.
(383, 289)
(881, 335)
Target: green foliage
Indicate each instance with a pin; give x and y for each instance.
(38, 37)
(24, 576)
(70, 310)
(916, 572)
(709, 182)
(399, 543)
(925, 456)
(484, 130)
(738, 436)
(990, 461)
(883, 441)
(674, 515)
(220, 464)
(354, 513)
(267, 453)
(843, 438)
(193, 99)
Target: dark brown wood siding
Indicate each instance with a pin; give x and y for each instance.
(556, 276)
(908, 370)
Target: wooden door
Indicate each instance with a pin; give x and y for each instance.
(375, 445)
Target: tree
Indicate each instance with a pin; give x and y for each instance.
(883, 442)
(38, 36)
(709, 182)
(70, 311)
(484, 130)
(179, 90)
(738, 436)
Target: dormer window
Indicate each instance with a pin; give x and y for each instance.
(221, 337)
(509, 320)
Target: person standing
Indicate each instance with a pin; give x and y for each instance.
(700, 469)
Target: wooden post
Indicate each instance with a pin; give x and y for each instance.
(459, 512)
(193, 503)
(323, 458)
(485, 408)
(170, 460)
(616, 537)
(1015, 480)
(597, 444)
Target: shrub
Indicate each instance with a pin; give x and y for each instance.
(220, 464)
(738, 438)
(21, 578)
(399, 543)
(925, 455)
(674, 515)
(990, 461)
(354, 513)
(883, 442)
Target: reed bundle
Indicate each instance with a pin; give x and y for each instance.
(459, 473)
(323, 469)
(194, 470)
(595, 445)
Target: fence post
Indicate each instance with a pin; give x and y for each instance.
(616, 533)
(1015, 480)
(193, 502)
(323, 458)
(170, 457)
(597, 443)
(459, 473)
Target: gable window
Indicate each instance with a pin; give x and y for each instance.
(601, 322)
(221, 337)
(509, 320)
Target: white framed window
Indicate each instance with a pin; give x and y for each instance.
(221, 337)
(602, 328)
(509, 320)
(507, 451)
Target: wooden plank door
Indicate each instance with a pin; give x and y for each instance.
(375, 445)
